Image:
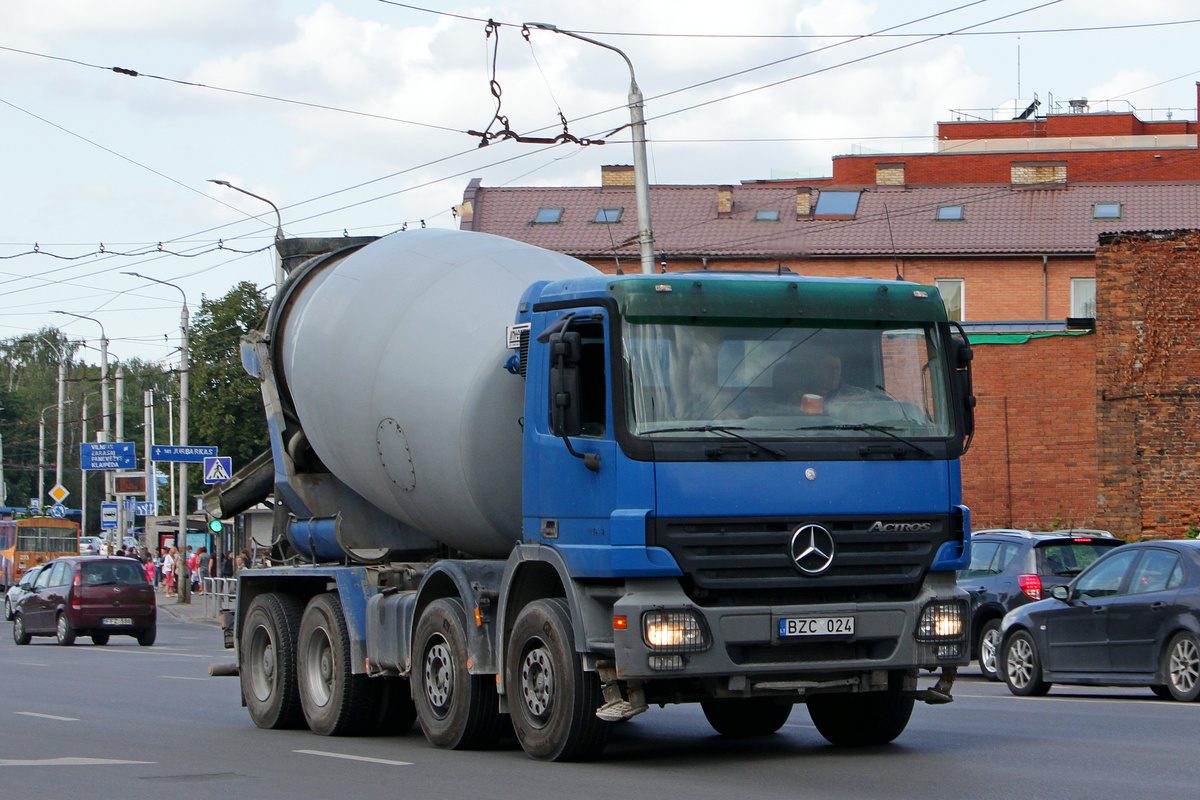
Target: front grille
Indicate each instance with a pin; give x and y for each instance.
(812, 652)
(748, 561)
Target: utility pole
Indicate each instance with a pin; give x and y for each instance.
(637, 124)
(185, 587)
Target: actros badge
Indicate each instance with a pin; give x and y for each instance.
(812, 549)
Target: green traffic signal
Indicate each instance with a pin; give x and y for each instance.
(215, 525)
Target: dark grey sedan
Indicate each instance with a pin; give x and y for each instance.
(1130, 619)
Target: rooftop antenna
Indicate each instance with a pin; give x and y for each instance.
(895, 259)
(1018, 66)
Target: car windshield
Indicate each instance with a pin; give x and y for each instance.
(112, 573)
(768, 381)
(1071, 558)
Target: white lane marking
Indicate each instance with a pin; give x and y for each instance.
(181, 678)
(46, 716)
(65, 762)
(349, 757)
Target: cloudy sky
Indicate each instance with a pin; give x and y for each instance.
(352, 116)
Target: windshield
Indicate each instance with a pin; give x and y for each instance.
(786, 382)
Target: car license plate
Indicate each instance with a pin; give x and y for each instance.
(117, 621)
(816, 626)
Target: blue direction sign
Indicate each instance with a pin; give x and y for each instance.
(218, 469)
(107, 455)
(192, 454)
(144, 509)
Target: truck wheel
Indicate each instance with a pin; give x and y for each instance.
(989, 649)
(63, 631)
(395, 714)
(865, 718)
(336, 702)
(1023, 666)
(746, 716)
(267, 657)
(552, 700)
(458, 710)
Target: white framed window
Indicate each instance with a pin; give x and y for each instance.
(1083, 298)
(1106, 211)
(766, 215)
(949, 212)
(951, 290)
(608, 215)
(548, 216)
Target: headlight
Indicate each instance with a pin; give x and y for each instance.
(941, 621)
(674, 631)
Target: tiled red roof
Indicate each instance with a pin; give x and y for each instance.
(997, 219)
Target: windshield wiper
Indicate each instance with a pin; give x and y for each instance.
(867, 426)
(728, 430)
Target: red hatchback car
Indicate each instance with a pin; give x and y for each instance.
(93, 596)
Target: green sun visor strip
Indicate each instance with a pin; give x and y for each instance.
(721, 300)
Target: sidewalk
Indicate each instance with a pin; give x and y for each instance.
(201, 610)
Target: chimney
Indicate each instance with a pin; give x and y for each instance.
(803, 203)
(724, 201)
(616, 175)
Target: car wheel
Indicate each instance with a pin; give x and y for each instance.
(146, 637)
(738, 717)
(63, 631)
(8, 612)
(1181, 666)
(989, 649)
(20, 635)
(1023, 666)
(100, 639)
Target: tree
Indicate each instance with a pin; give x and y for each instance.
(225, 404)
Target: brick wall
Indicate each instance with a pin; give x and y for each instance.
(1033, 461)
(1148, 403)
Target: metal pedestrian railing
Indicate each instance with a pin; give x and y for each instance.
(218, 593)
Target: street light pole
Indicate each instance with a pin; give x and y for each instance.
(279, 276)
(637, 120)
(104, 415)
(185, 588)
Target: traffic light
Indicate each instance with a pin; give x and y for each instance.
(215, 525)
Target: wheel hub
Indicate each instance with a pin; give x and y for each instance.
(320, 668)
(1020, 663)
(1185, 666)
(537, 682)
(261, 660)
(439, 677)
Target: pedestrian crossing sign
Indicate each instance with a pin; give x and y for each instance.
(217, 469)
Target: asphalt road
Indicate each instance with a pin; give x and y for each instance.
(125, 721)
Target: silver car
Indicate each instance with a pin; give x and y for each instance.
(19, 589)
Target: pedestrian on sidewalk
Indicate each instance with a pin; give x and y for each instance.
(202, 562)
(168, 568)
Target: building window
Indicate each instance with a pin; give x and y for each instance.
(548, 216)
(1106, 211)
(766, 215)
(949, 212)
(608, 215)
(951, 290)
(837, 204)
(1083, 298)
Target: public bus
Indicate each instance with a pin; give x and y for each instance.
(30, 541)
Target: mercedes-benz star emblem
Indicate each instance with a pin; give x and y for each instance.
(812, 549)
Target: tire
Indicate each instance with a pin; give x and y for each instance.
(100, 639)
(267, 661)
(336, 702)
(20, 635)
(863, 719)
(64, 634)
(458, 710)
(1181, 667)
(749, 716)
(8, 612)
(552, 700)
(988, 645)
(1022, 666)
(146, 636)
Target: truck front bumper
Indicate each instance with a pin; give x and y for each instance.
(929, 632)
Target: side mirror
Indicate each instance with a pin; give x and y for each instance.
(1062, 593)
(566, 351)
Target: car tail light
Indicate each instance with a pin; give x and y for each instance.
(75, 584)
(1031, 585)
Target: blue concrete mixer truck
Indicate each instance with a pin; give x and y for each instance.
(514, 494)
